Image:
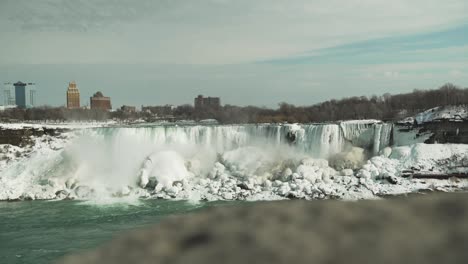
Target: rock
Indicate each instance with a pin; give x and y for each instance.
(83, 191)
(393, 179)
(62, 194)
(28, 197)
(244, 186)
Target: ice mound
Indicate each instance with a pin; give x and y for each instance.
(440, 158)
(247, 161)
(166, 167)
(352, 158)
(219, 164)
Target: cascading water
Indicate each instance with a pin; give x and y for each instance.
(105, 160)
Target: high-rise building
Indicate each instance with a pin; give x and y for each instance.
(99, 101)
(207, 102)
(8, 94)
(25, 94)
(73, 96)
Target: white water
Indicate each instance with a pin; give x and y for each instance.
(194, 162)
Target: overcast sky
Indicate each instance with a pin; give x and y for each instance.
(262, 52)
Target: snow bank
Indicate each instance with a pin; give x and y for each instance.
(447, 112)
(214, 163)
(436, 158)
(57, 125)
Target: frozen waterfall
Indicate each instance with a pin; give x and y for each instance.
(110, 160)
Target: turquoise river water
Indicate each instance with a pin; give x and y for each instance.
(43, 231)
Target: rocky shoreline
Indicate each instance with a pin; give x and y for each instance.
(24, 136)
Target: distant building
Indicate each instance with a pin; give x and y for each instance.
(161, 110)
(128, 109)
(207, 102)
(25, 94)
(8, 95)
(99, 101)
(73, 96)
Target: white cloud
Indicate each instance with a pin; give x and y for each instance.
(204, 32)
(456, 73)
(391, 74)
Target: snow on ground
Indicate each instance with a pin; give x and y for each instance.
(361, 121)
(57, 125)
(430, 158)
(443, 112)
(21, 169)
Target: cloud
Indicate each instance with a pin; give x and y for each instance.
(391, 74)
(301, 51)
(206, 31)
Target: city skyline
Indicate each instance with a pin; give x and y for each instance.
(19, 94)
(167, 52)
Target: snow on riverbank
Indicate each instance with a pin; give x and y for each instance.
(436, 158)
(57, 125)
(64, 167)
(22, 170)
(453, 113)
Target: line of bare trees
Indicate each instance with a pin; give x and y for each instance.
(385, 107)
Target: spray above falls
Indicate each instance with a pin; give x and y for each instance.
(176, 159)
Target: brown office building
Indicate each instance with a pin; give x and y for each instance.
(207, 102)
(99, 101)
(73, 96)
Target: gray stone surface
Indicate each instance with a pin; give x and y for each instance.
(423, 229)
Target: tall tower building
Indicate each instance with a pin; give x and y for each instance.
(8, 94)
(73, 96)
(25, 94)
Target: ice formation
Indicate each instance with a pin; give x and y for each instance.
(443, 112)
(211, 162)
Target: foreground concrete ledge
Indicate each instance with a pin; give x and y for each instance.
(422, 229)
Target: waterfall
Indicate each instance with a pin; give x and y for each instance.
(318, 140)
(107, 159)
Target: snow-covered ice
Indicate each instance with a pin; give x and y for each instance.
(454, 113)
(244, 162)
